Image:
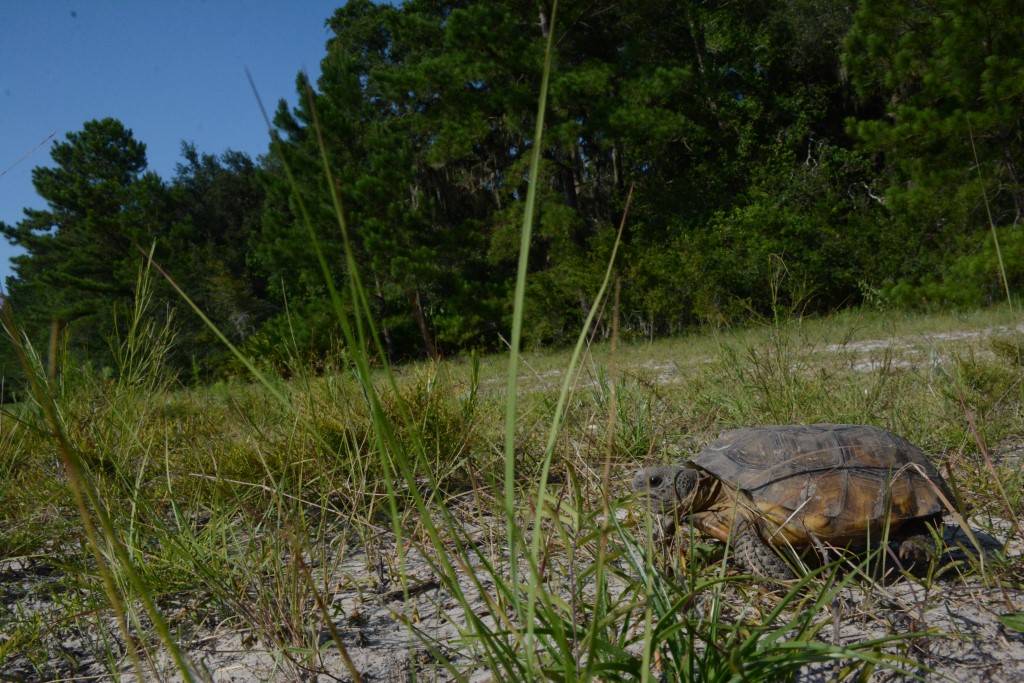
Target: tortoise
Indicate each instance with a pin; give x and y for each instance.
(802, 485)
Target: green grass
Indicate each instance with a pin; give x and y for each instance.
(213, 492)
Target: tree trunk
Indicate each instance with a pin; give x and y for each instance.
(421, 321)
(56, 327)
(382, 311)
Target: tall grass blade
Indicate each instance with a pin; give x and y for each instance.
(525, 238)
(991, 223)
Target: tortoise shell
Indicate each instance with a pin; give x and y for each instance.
(839, 483)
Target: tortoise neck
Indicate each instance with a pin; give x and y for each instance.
(705, 493)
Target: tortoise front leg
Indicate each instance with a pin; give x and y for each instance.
(755, 554)
(750, 549)
(918, 544)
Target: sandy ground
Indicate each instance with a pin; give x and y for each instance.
(965, 640)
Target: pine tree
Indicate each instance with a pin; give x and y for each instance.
(82, 252)
(218, 204)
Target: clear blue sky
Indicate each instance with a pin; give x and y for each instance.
(170, 70)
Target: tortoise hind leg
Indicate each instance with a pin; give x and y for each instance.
(756, 555)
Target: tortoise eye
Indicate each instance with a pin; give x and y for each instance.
(655, 481)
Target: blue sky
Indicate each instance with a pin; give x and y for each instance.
(169, 70)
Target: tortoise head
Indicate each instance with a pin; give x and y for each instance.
(669, 487)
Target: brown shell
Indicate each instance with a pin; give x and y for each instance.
(840, 483)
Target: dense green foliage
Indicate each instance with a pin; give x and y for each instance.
(951, 75)
(782, 154)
